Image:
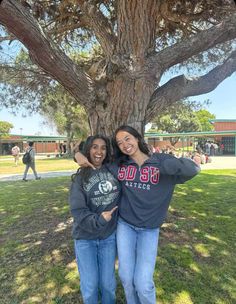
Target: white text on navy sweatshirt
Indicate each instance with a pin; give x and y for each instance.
(87, 202)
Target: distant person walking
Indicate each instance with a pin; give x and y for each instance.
(29, 161)
(15, 151)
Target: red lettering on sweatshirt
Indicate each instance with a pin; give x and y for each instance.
(147, 174)
(155, 175)
(131, 172)
(144, 175)
(122, 173)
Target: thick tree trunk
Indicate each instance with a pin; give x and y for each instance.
(126, 104)
(129, 93)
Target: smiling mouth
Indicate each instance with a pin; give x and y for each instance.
(97, 158)
(128, 149)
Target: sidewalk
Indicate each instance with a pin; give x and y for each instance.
(218, 162)
(30, 176)
(221, 162)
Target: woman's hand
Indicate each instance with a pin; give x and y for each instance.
(83, 161)
(108, 214)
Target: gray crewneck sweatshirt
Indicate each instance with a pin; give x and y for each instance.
(87, 202)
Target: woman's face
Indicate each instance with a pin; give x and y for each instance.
(98, 152)
(127, 143)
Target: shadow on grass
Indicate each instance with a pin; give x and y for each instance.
(196, 261)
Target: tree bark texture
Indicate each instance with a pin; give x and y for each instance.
(128, 90)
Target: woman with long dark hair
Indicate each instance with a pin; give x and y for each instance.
(94, 195)
(148, 182)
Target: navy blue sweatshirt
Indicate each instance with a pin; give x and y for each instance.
(87, 202)
(147, 190)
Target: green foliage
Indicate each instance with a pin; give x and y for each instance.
(23, 84)
(5, 128)
(26, 82)
(196, 257)
(181, 117)
(69, 117)
(204, 116)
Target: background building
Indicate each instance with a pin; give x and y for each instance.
(42, 144)
(229, 141)
(224, 133)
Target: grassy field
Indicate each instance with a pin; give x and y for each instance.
(7, 165)
(196, 262)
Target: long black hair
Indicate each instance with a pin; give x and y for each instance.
(86, 171)
(143, 146)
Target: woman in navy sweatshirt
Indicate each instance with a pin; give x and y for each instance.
(94, 195)
(148, 182)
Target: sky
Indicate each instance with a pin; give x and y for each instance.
(30, 125)
(223, 105)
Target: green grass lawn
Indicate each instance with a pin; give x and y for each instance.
(196, 262)
(7, 166)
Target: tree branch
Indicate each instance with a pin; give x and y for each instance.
(9, 38)
(19, 21)
(23, 69)
(222, 32)
(181, 87)
(100, 25)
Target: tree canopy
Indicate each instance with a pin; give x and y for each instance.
(204, 118)
(58, 107)
(182, 117)
(5, 128)
(132, 45)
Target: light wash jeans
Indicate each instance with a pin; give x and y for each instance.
(96, 265)
(137, 251)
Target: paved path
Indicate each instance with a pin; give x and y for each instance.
(218, 162)
(30, 176)
(221, 162)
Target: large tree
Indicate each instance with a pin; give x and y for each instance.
(138, 42)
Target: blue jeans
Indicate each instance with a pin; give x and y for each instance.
(96, 265)
(137, 251)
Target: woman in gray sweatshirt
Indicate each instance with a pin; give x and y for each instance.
(94, 195)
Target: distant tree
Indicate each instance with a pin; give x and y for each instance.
(204, 118)
(177, 119)
(132, 45)
(58, 107)
(5, 128)
(37, 92)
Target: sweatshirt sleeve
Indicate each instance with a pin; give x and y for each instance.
(32, 154)
(83, 217)
(182, 168)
